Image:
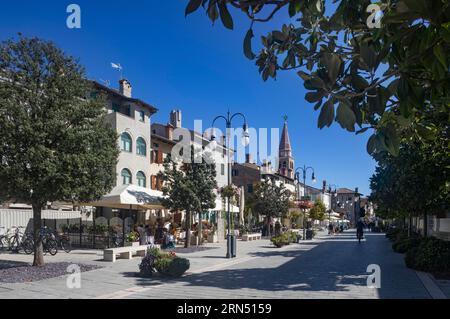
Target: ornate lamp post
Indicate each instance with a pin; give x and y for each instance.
(304, 170)
(333, 194)
(245, 140)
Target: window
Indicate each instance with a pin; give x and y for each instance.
(125, 142)
(250, 188)
(284, 164)
(115, 107)
(222, 169)
(128, 110)
(141, 179)
(141, 147)
(126, 176)
(142, 116)
(235, 172)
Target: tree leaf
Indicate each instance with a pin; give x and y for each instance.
(346, 117)
(248, 45)
(225, 16)
(372, 144)
(192, 6)
(332, 63)
(326, 116)
(440, 55)
(313, 97)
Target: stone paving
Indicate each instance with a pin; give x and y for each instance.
(326, 267)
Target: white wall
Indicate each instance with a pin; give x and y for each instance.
(22, 218)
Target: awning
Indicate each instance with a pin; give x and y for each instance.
(131, 197)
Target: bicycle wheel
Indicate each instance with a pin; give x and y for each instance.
(14, 244)
(28, 246)
(66, 245)
(51, 246)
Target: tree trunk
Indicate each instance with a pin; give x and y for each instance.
(425, 224)
(200, 230)
(38, 249)
(410, 225)
(268, 227)
(188, 230)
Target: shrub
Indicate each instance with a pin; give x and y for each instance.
(147, 267)
(177, 267)
(162, 264)
(431, 255)
(392, 233)
(402, 246)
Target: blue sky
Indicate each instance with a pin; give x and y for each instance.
(177, 62)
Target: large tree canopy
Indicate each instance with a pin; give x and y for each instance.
(378, 78)
(189, 186)
(55, 145)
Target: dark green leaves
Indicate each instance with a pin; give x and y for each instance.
(346, 117)
(192, 6)
(248, 45)
(332, 63)
(326, 116)
(225, 16)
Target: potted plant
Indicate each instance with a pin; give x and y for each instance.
(132, 239)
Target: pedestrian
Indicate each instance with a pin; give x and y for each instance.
(330, 229)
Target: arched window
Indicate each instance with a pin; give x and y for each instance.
(141, 179)
(141, 147)
(126, 176)
(125, 142)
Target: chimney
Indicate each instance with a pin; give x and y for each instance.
(169, 131)
(248, 158)
(324, 186)
(175, 118)
(125, 87)
(356, 190)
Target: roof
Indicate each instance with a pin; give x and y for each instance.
(116, 93)
(285, 143)
(346, 191)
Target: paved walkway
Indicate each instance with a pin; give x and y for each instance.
(326, 267)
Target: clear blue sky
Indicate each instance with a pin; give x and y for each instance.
(174, 62)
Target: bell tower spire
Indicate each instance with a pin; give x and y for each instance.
(286, 160)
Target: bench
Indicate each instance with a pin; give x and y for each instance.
(125, 252)
(250, 237)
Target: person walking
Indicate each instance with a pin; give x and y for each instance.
(359, 230)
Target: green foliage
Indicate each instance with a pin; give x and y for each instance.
(56, 144)
(271, 200)
(431, 255)
(177, 267)
(283, 239)
(402, 246)
(132, 237)
(317, 212)
(55, 141)
(189, 186)
(379, 79)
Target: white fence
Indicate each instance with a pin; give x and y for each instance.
(24, 218)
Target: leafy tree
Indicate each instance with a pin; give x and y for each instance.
(378, 79)
(56, 144)
(189, 187)
(416, 182)
(317, 212)
(271, 200)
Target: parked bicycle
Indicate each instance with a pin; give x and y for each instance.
(64, 242)
(15, 241)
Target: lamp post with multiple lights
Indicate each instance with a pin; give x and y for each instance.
(245, 141)
(304, 170)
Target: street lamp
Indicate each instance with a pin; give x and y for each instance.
(245, 141)
(304, 170)
(333, 194)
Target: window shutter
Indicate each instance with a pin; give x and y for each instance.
(160, 157)
(154, 178)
